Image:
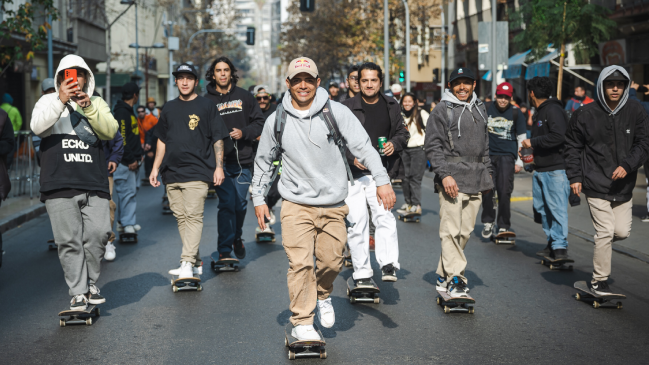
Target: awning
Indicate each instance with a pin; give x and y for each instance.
(541, 68)
(515, 65)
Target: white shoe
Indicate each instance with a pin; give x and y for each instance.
(197, 270)
(79, 303)
(186, 270)
(266, 230)
(326, 313)
(272, 219)
(404, 209)
(129, 229)
(305, 333)
(110, 252)
(120, 229)
(137, 227)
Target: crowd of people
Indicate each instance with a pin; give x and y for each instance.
(330, 156)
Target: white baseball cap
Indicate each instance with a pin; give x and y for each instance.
(302, 64)
(396, 88)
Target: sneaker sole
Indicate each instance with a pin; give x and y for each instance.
(389, 278)
(97, 301)
(79, 309)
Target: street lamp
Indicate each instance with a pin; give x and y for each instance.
(146, 62)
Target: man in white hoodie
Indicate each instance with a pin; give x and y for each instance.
(74, 180)
(313, 184)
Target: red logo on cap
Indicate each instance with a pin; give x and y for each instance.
(302, 63)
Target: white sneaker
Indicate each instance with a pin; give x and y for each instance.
(266, 230)
(129, 230)
(79, 302)
(197, 270)
(404, 209)
(186, 270)
(326, 313)
(120, 229)
(305, 333)
(110, 252)
(137, 227)
(272, 219)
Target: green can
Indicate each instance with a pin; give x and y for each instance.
(382, 141)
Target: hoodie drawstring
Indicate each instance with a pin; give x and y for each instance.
(310, 124)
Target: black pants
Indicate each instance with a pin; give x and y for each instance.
(503, 178)
(414, 161)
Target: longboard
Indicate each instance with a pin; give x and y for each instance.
(409, 217)
(229, 264)
(597, 299)
(362, 293)
(508, 238)
(128, 237)
(78, 317)
(555, 264)
(180, 284)
(455, 304)
(261, 236)
(297, 348)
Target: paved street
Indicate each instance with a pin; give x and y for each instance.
(524, 311)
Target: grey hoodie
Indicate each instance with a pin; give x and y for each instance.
(600, 88)
(313, 171)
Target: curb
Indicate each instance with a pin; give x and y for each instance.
(587, 237)
(19, 218)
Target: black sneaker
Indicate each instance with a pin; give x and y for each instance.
(457, 288)
(547, 251)
(366, 282)
(79, 303)
(488, 230)
(239, 249)
(94, 297)
(389, 273)
(645, 218)
(224, 255)
(600, 288)
(559, 254)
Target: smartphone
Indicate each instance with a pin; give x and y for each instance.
(71, 73)
(642, 89)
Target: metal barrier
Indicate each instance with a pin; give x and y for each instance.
(24, 171)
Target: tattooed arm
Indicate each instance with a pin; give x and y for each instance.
(219, 176)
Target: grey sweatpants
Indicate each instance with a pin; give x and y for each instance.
(81, 230)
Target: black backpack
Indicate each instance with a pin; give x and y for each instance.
(334, 133)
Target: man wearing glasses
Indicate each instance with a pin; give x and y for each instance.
(263, 98)
(353, 86)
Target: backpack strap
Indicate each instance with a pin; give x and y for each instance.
(280, 122)
(334, 133)
(449, 114)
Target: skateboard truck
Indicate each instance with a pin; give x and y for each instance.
(78, 317)
(181, 284)
(451, 304)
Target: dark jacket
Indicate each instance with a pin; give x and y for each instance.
(7, 143)
(240, 110)
(548, 135)
(633, 94)
(398, 135)
(598, 142)
(114, 150)
(151, 139)
(130, 131)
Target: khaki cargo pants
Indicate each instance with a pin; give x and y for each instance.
(187, 202)
(306, 232)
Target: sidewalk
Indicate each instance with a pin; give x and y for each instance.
(18, 210)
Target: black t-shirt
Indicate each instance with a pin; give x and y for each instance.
(189, 130)
(503, 130)
(377, 120)
(271, 109)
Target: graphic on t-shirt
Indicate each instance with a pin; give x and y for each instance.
(501, 127)
(235, 105)
(193, 121)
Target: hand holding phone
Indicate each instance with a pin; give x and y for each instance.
(71, 73)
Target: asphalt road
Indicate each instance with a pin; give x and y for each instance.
(524, 312)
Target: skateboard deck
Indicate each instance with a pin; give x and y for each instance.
(193, 283)
(211, 194)
(508, 238)
(368, 294)
(261, 236)
(455, 304)
(78, 317)
(297, 348)
(597, 299)
(51, 245)
(128, 237)
(557, 264)
(409, 217)
(230, 264)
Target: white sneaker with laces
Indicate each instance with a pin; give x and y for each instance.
(326, 313)
(110, 252)
(197, 270)
(129, 230)
(79, 302)
(186, 270)
(272, 219)
(305, 333)
(137, 227)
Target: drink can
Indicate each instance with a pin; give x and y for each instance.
(382, 141)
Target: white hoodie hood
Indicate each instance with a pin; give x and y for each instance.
(71, 61)
(448, 96)
(601, 93)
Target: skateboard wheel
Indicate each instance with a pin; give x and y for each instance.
(291, 355)
(200, 288)
(595, 304)
(175, 289)
(438, 300)
(348, 293)
(619, 305)
(447, 309)
(285, 341)
(417, 221)
(377, 300)
(62, 322)
(352, 300)
(542, 262)
(97, 312)
(471, 310)
(577, 297)
(323, 354)
(552, 267)
(88, 321)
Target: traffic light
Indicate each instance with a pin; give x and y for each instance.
(307, 5)
(435, 74)
(250, 36)
(402, 76)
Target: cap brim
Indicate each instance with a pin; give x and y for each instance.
(313, 74)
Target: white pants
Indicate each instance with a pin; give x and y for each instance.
(386, 250)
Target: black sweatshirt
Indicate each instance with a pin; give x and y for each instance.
(548, 136)
(130, 131)
(240, 110)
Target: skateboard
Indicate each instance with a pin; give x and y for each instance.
(261, 236)
(459, 304)
(362, 293)
(78, 317)
(229, 264)
(193, 283)
(409, 217)
(508, 238)
(597, 299)
(297, 348)
(51, 245)
(128, 237)
(554, 264)
(211, 194)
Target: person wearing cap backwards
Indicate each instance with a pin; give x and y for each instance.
(606, 144)
(245, 121)
(396, 91)
(125, 176)
(74, 179)
(550, 187)
(150, 107)
(313, 184)
(189, 154)
(457, 146)
(507, 129)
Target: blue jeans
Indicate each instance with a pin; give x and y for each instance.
(125, 189)
(550, 190)
(232, 205)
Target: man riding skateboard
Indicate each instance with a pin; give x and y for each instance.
(313, 185)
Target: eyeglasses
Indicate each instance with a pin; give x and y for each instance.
(353, 78)
(260, 98)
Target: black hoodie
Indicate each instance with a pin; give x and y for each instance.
(548, 135)
(240, 110)
(130, 131)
